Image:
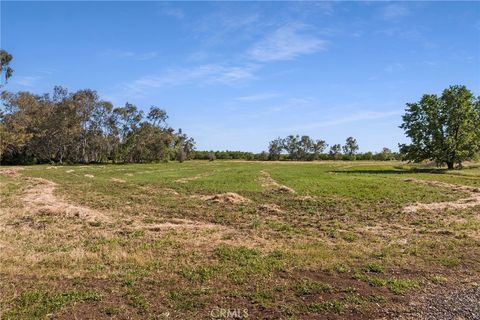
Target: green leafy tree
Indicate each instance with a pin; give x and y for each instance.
(318, 146)
(80, 128)
(350, 148)
(443, 129)
(386, 155)
(335, 152)
(291, 146)
(275, 148)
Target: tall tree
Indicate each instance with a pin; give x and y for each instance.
(335, 152)
(275, 148)
(5, 70)
(350, 148)
(443, 129)
(291, 145)
(305, 144)
(79, 127)
(318, 146)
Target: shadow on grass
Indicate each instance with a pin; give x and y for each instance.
(394, 171)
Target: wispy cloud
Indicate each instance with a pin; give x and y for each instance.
(203, 74)
(290, 104)
(172, 11)
(359, 116)
(282, 106)
(394, 12)
(286, 43)
(394, 67)
(26, 81)
(259, 97)
(125, 54)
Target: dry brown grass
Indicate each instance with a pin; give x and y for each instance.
(270, 185)
(472, 200)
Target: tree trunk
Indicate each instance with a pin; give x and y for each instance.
(450, 165)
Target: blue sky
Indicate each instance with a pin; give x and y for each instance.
(236, 75)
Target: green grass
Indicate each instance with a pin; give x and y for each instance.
(343, 230)
(38, 304)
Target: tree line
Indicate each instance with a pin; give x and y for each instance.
(79, 127)
(385, 155)
(295, 147)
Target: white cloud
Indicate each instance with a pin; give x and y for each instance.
(286, 43)
(394, 12)
(204, 74)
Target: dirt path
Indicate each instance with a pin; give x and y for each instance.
(40, 198)
(444, 303)
(472, 200)
(270, 185)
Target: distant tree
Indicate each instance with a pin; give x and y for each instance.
(367, 156)
(443, 129)
(386, 154)
(291, 146)
(350, 148)
(305, 145)
(275, 148)
(211, 156)
(335, 152)
(5, 70)
(262, 156)
(318, 146)
(297, 148)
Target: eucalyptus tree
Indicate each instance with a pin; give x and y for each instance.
(275, 148)
(5, 70)
(335, 152)
(350, 148)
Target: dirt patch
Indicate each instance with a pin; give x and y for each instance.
(11, 171)
(170, 191)
(306, 198)
(270, 185)
(70, 171)
(465, 203)
(179, 224)
(228, 197)
(89, 176)
(40, 198)
(271, 208)
(117, 180)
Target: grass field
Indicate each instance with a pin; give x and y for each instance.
(216, 239)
